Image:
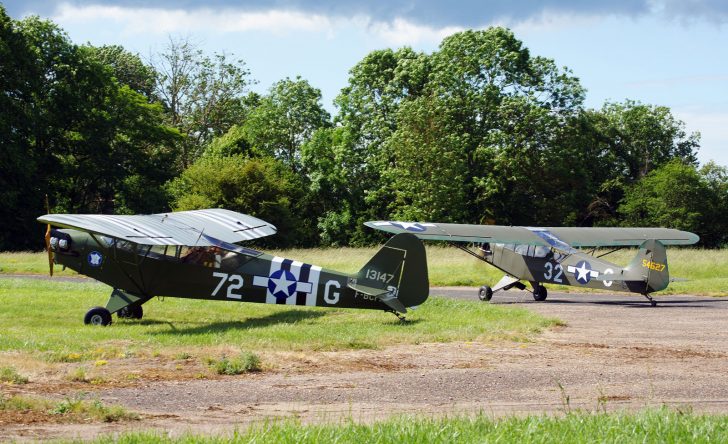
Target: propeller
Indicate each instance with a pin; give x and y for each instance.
(48, 240)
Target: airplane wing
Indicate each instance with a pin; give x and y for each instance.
(560, 238)
(190, 228)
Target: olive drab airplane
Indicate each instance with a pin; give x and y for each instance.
(551, 255)
(193, 254)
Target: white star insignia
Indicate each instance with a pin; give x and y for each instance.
(282, 283)
(583, 272)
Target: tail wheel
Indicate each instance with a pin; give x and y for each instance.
(485, 293)
(97, 316)
(131, 312)
(540, 293)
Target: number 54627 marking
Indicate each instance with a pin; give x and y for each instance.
(236, 282)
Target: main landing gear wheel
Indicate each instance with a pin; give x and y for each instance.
(485, 293)
(131, 312)
(540, 293)
(97, 316)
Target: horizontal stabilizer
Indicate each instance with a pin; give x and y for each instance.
(383, 295)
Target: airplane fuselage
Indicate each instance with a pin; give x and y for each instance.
(542, 265)
(208, 273)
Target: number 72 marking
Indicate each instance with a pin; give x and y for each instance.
(224, 277)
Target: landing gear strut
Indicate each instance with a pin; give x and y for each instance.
(652, 301)
(131, 312)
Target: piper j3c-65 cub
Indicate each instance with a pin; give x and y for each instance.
(550, 255)
(192, 254)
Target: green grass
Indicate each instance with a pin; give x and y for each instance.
(9, 375)
(76, 409)
(706, 270)
(45, 318)
(649, 426)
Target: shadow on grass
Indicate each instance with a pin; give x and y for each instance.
(282, 317)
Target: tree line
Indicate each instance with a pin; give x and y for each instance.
(479, 131)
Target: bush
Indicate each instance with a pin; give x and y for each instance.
(246, 362)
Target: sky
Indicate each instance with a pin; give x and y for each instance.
(659, 52)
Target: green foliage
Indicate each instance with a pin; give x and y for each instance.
(285, 119)
(11, 376)
(262, 187)
(246, 362)
(128, 69)
(70, 129)
(680, 196)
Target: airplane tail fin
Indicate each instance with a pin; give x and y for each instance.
(397, 274)
(651, 261)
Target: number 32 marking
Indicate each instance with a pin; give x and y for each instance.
(551, 269)
(224, 277)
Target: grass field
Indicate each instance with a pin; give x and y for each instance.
(706, 270)
(648, 426)
(45, 318)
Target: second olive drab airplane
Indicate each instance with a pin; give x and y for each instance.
(193, 254)
(550, 254)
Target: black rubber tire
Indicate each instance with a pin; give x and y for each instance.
(485, 293)
(97, 316)
(540, 293)
(131, 312)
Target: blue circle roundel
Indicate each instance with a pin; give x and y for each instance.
(409, 226)
(583, 272)
(95, 259)
(282, 284)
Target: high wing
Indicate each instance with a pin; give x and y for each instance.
(560, 238)
(190, 228)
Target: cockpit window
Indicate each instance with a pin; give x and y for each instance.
(163, 251)
(540, 251)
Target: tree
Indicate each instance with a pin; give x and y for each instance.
(203, 96)
(74, 133)
(678, 195)
(634, 139)
(367, 117)
(127, 68)
(20, 194)
(644, 137)
(285, 119)
(263, 187)
(482, 138)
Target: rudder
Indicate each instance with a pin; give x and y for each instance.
(398, 273)
(652, 261)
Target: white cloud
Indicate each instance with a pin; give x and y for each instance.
(166, 21)
(160, 21)
(402, 32)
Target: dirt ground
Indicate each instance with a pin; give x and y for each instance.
(615, 352)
